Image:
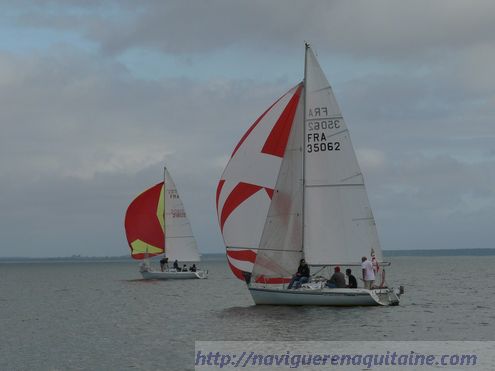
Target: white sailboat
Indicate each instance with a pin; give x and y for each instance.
(156, 223)
(318, 208)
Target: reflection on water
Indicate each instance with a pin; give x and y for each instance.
(103, 316)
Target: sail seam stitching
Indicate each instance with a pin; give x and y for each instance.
(326, 118)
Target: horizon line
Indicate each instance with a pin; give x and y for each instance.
(128, 257)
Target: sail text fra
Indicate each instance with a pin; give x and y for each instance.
(318, 112)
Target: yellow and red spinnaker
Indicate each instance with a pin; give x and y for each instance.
(144, 225)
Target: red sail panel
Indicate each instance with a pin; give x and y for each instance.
(142, 226)
(277, 140)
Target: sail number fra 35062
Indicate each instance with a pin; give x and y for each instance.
(317, 142)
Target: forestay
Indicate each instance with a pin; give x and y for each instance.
(281, 243)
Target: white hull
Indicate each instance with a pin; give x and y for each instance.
(324, 296)
(171, 275)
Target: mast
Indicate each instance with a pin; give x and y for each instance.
(307, 46)
(164, 222)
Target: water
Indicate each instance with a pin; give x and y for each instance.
(102, 316)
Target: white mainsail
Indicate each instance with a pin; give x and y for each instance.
(319, 209)
(339, 226)
(180, 243)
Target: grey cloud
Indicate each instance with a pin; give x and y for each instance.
(360, 28)
(81, 138)
(434, 203)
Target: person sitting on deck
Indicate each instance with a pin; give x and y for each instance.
(337, 280)
(163, 263)
(352, 280)
(184, 268)
(302, 275)
(193, 268)
(176, 265)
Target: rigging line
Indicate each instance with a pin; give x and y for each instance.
(314, 274)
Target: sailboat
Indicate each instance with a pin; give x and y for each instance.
(293, 190)
(156, 224)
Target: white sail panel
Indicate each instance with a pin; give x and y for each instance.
(331, 160)
(235, 234)
(180, 243)
(281, 243)
(330, 157)
(339, 226)
(320, 100)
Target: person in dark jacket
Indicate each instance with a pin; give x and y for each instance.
(176, 265)
(352, 280)
(163, 263)
(302, 275)
(193, 268)
(337, 280)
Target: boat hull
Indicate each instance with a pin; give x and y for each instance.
(324, 297)
(167, 275)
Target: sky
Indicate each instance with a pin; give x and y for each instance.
(98, 95)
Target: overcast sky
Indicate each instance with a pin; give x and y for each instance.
(96, 96)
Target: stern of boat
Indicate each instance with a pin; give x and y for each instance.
(202, 274)
(386, 297)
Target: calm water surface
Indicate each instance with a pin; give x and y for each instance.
(102, 316)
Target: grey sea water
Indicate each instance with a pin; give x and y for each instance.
(102, 316)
